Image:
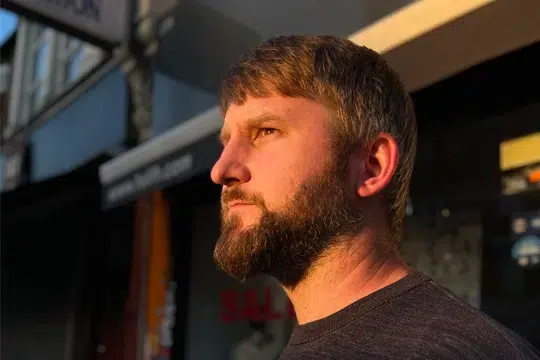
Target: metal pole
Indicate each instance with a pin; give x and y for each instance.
(140, 80)
(150, 26)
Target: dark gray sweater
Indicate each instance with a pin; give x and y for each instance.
(411, 319)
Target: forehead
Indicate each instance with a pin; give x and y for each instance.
(291, 111)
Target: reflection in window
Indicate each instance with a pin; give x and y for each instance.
(73, 60)
(40, 67)
(40, 61)
(73, 66)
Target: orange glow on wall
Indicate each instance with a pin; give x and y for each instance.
(159, 272)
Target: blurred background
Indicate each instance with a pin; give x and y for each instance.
(108, 123)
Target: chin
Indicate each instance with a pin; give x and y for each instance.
(243, 230)
(247, 222)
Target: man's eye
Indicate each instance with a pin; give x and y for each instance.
(266, 132)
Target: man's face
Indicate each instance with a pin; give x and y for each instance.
(286, 197)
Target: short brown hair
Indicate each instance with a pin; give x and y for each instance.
(363, 94)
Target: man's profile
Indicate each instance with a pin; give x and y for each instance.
(319, 141)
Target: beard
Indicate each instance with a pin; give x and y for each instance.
(285, 244)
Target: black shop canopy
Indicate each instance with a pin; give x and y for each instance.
(74, 189)
(175, 156)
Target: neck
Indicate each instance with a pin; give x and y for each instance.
(344, 275)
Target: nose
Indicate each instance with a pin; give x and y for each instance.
(231, 169)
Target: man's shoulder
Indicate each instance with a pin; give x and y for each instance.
(425, 321)
(434, 318)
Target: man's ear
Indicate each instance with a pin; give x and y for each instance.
(380, 159)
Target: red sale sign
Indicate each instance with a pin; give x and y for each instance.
(237, 306)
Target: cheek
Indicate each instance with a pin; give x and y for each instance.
(278, 174)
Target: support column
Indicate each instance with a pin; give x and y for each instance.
(140, 80)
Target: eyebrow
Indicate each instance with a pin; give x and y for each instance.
(253, 122)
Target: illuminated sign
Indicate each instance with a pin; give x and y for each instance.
(526, 251)
(526, 237)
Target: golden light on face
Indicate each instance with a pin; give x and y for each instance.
(284, 197)
(242, 210)
(285, 243)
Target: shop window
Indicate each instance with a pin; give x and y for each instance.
(40, 53)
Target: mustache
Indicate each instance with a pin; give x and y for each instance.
(238, 194)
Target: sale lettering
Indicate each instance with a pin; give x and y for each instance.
(247, 306)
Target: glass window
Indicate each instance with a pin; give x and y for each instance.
(73, 60)
(73, 66)
(40, 69)
(40, 61)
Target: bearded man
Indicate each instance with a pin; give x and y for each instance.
(319, 141)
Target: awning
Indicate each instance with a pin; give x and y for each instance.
(182, 152)
(42, 199)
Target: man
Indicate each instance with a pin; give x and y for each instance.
(319, 143)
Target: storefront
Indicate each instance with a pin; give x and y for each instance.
(475, 193)
(61, 276)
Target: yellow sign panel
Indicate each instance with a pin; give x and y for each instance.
(519, 152)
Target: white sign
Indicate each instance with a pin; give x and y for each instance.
(149, 177)
(103, 20)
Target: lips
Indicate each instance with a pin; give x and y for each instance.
(234, 203)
